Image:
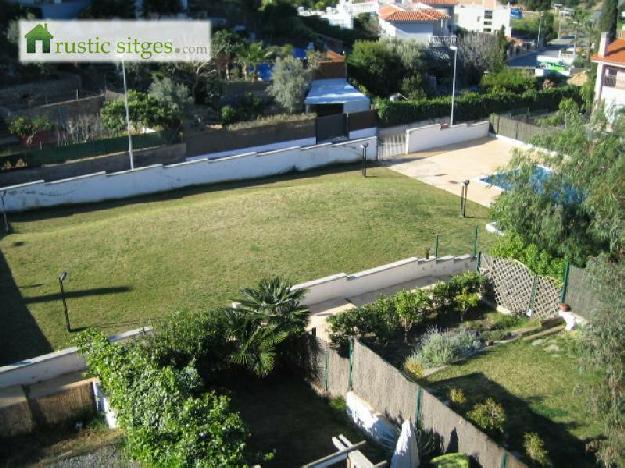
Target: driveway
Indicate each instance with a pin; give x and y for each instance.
(447, 167)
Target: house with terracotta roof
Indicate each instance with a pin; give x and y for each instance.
(610, 83)
(422, 24)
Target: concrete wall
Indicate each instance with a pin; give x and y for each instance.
(434, 136)
(99, 186)
(342, 285)
(257, 149)
(52, 365)
(115, 162)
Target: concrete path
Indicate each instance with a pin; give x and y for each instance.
(447, 167)
(321, 311)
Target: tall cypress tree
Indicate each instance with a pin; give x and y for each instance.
(609, 16)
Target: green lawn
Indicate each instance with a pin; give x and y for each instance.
(132, 262)
(539, 385)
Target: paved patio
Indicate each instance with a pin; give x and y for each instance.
(447, 167)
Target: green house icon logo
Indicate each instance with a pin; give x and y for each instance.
(38, 33)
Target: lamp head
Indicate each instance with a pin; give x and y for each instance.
(63, 276)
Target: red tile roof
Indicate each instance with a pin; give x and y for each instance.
(436, 2)
(422, 15)
(614, 55)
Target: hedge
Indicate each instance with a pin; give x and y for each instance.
(472, 106)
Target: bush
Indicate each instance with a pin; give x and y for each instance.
(377, 320)
(439, 348)
(539, 261)
(509, 80)
(472, 106)
(442, 296)
(457, 396)
(489, 416)
(411, 308)
(166, 419)
(535, 449)
(506, 321)
(26, 127)
(413, 366)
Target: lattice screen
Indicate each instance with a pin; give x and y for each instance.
(513, 286)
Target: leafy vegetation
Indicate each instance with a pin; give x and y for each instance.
(289, 84)
(535, 449)
(166, 420)
(145, 111)
(513, 80)
(471, 106)
(489, 416)
(26, 127)
(438, 348)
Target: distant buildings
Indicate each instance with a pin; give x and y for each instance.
(610, 84)
(486, 16)
(422, 24)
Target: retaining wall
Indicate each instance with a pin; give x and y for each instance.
(52, 365)
(343, 285)
(100, 186)
(435, 136)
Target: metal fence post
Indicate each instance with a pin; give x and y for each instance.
(327, 371)
(436, 248)
(479, 261)
(418, 406)
(504, 460)
(530, 304)
(477, 227)
(350, 385)
(565, 280)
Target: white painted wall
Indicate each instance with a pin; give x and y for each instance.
(257, 149)
(92, 188)
(342, 285)
(434, 136)
(473, 18)
(613, 101)
(420, 32)
(49, 366)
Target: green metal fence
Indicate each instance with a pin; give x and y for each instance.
(60, 154)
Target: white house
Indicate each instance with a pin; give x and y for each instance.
(610, 84)
(423, 24)
(486, 16)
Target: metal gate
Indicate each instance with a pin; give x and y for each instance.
(391, 146)
(330, 127)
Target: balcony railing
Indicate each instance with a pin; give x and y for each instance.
(443, 41)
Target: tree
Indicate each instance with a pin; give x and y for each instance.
(376, 66)
(26, 128)
(480, 52)
(265, 322)
(509, 79)
(609, 18)
(145, 111)
(411, 308)
(290, 82)
(224, 46)
(250, 56)
(174, 95)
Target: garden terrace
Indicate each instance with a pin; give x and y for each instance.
(133, 262)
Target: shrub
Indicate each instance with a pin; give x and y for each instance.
(442, 296)
(413, 366)
(536, 259)
(489, 416)
(470, 281)
(411, 308)
(466, 301)
(377, 320)
(457, 396)
(535, 449)
(506, 321)
(228, 115)
(509, 79)
(471, 106)
(26, 127)
(166, 419)
(443, 347)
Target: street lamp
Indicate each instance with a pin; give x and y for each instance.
(364, 158)
(62, 277)
(453, 85)
(130, 155)
(463, 198)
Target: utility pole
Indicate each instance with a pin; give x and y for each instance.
(130, 155)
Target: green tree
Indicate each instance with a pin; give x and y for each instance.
(289, 85)
(250, 56)
(224, 46)
(411, 308)
(376, 67)
(175, 95)
(26, 128)
(144, 111)
(609, 18)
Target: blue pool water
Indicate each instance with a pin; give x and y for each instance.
(541, 174)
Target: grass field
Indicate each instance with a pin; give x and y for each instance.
(541, 389)
(133, 261)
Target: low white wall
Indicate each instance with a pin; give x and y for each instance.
(258, 149)
(100, 186)
(342, 285)
(49, 366)
(433, 136)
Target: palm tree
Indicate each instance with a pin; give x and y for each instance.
(251, 55)
(264, 320)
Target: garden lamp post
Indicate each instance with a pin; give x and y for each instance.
(364, 158)
(130, 155)
(464, 203)
(62, 277)
(453, 85)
